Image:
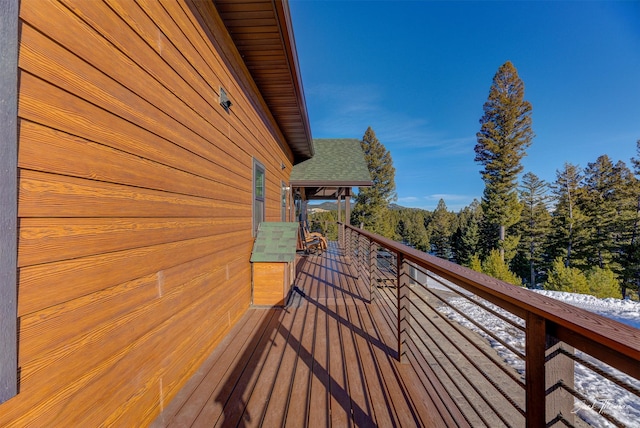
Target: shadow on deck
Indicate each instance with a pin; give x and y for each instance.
(328, 358)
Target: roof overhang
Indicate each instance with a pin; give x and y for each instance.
(263, 34)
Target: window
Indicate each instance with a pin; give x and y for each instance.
(258, 195)
(283, 198)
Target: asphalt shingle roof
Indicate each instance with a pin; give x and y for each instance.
(275, 242)
(337, 162)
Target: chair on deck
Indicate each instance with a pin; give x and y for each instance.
(312, 242)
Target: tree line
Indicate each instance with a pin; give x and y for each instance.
(578, 233)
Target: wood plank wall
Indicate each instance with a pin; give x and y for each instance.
(134, 204)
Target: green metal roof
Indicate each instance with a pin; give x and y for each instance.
(275, 242)
(336, 162)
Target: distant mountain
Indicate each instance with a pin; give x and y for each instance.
(333, 206)
(327, 206)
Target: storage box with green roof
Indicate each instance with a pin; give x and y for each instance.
(272, 263)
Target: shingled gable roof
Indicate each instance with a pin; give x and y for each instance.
(336, 163)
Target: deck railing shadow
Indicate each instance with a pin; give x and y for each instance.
(235, 394)
(506, 355)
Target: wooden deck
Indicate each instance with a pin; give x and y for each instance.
(327, 359)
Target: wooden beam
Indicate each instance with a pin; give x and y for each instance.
(8, 198)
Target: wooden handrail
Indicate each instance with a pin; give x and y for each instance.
(608, 340)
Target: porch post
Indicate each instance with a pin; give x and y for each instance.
(347, 206)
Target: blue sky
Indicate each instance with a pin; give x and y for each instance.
(418, 73)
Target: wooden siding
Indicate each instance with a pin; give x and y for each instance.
(134, 204)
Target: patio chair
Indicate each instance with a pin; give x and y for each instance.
(312, 242)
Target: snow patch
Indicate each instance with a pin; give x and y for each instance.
(602, 395)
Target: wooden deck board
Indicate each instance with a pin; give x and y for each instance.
(327, 359)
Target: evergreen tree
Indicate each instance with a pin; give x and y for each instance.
(631, 252)
(494, 266)
(598, 203)
(411, 229)
(325, 222)
(568, 279)
(504, 136)
(441, 230)
(475, 263)
(372, 203)
(603, 283)
(534, 226)
(624, 199)
(466, 238)
(567, 222)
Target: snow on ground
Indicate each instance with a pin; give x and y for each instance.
(603, 396)
(625, 311)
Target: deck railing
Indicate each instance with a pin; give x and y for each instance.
(509, 356)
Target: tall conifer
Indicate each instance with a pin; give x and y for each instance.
(567, 222)
(598, 203)
(504, 136)
(466, 238)
(441, 229)
(534, 226)
(372, 203)
(631, 252)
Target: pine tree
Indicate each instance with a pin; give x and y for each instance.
(534, 225)
(504, 136)
(568, 279)
(631, 252)
(372, 203)
(603, 283)
(411, 229)
(494, 266)
(466, 238)
(325, 222)
(598, 203)
(567, 222)
(441, 230)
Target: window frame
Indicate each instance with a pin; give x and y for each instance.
(9, 199)
(284, 198)
(258, 200)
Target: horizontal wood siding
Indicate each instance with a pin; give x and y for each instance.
(134, 204)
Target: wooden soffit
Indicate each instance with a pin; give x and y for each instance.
(263, 34)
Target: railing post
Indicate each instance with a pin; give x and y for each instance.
(347, 243)
(535, 347)
(351, 244)
(358, 251)
(403, 306)
(373, 259)
(559, 369)
(362, 246)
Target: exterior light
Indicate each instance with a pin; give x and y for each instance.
(225, 102)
